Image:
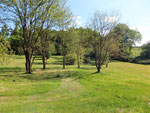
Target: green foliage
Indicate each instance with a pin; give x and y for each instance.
(87, 60)
(127, 39)
(5, 51)
(136, 51)
(16, 41)
(146, 51)
(140, 60)
(4, 31)
(143, 55)
(34, 18)
(102, 38)
(71, 59)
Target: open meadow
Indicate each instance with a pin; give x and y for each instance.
(74, 56)
(120, 88)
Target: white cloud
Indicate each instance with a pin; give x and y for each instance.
(77, 20)
(78, 17)
(145, 32)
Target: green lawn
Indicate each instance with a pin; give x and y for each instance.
(120, 88)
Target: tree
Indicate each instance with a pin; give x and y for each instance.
(64, 23)
(32, 15)
(78, 37)
(45, 47)
(102, 24)
(146, 51)
(65, 45)
(5, 50)
(4, 31)
(128, 38)
(16, 41)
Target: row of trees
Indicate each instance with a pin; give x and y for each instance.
(42, 26)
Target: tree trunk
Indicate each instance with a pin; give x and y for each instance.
(64, 62)
(28, 64)
(98, 69)
(78, 60)
(44, 63)
(106, 65)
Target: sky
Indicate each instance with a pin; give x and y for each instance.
(134, 13)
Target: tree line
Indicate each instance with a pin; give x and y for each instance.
(47, 27)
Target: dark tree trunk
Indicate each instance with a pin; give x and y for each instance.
(28, 64)
(106, 65)
(78, 60)
(98, 69)
(44, 62)
(78, 64)
(64, 62)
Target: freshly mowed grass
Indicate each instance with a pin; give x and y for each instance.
(120, 88)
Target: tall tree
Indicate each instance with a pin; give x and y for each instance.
(79, 42)
(33, 16)
(45, 47)
(102, 24)
(64, 23)
(128, 38)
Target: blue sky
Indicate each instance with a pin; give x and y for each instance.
(135, 13)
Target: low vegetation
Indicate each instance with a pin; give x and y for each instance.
(123, 87)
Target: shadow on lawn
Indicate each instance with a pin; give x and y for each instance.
(46, 76)
(57, 63)
(15, 69)
(40, 63)
(56, 75)
(7, 76)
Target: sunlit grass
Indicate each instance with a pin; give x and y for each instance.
(122, 87)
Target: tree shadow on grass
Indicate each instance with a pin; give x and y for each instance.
(14, 69)
(19, 58)
(51, 75)
(6, 76)
(57, 63)
(88, 68)
(40, 63)
(44, 76)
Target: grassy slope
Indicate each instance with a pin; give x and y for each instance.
(123, 87)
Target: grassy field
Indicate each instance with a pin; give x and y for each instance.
(120, 88)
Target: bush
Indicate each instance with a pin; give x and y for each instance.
(71, 59)
(87, 60)
(140, 60)
(146, 61)
(146, 51)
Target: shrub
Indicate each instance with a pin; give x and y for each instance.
(71, 59)
(140, 60)
(87, 60)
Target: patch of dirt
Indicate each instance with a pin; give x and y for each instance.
(3, 98)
